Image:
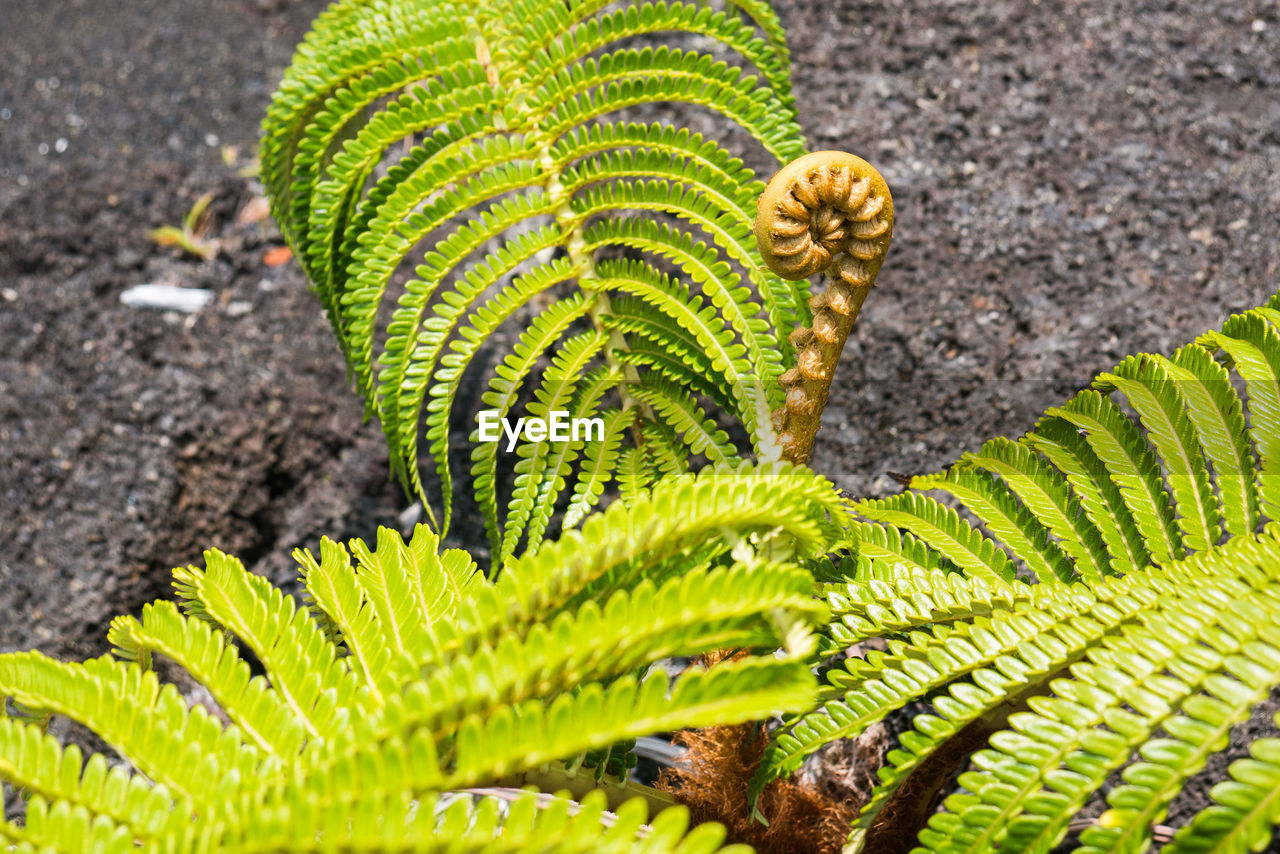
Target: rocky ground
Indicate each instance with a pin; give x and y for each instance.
(1073, 182)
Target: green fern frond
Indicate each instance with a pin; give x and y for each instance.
(497, 822)
(1215, 408)
(600, 466)
(1093, 491)
(1252, 343)
(300, 661)
(1005, 517)
(1149, 629)
(1132, 465)
(943, 529)
(410, 679)
(481, 143)
(538, 462)
(1064, 446)
(681, 411)
(205, 653)
(186, 750)
(1162, 410)
(38, 764)
(1046, 494)
(1244, 811)
(504, 388)
(64, 828)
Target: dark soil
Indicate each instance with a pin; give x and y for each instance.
(1073, 182)
(135, 438)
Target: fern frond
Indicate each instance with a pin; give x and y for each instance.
(1130, 461)
(693, 316)
(1005, 516)
(1254, 347)
(1161, 407)
(1006, 640)
(477, 823)
(1218, 415)
(184, 749)
(682, 412)
(300, 661)
(880, 547)
(785, 508)
(66, 829)
(504, 387)
(635, 473)
(631, 628)
(651, 18)
(1046, 493)
(452, 132)
(43, 768)
(589, 394)
(905, 598)
(600, 466)
(1103, 503)
(414, 341)
(205, 653)
(411, 677)
(1244, 810)
(943, 529)
(656, 340)
(1141, 667)
(538, 462)
(1184, 669)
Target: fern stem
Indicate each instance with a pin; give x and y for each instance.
(580, 257)
(582, 260)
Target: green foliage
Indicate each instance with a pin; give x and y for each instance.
(464, 184)
(1116, 610)
(487, 146)
(362, 721)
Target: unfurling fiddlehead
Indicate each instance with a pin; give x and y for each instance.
(827, 212)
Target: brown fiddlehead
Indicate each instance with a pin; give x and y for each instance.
(831, 213)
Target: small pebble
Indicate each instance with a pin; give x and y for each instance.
(169, 297)
(410, 517)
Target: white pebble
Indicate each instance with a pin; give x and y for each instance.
(169, 297)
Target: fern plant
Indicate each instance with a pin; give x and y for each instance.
(486, 145)
(1100, 597)
(1107, 602)
(398, 708)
